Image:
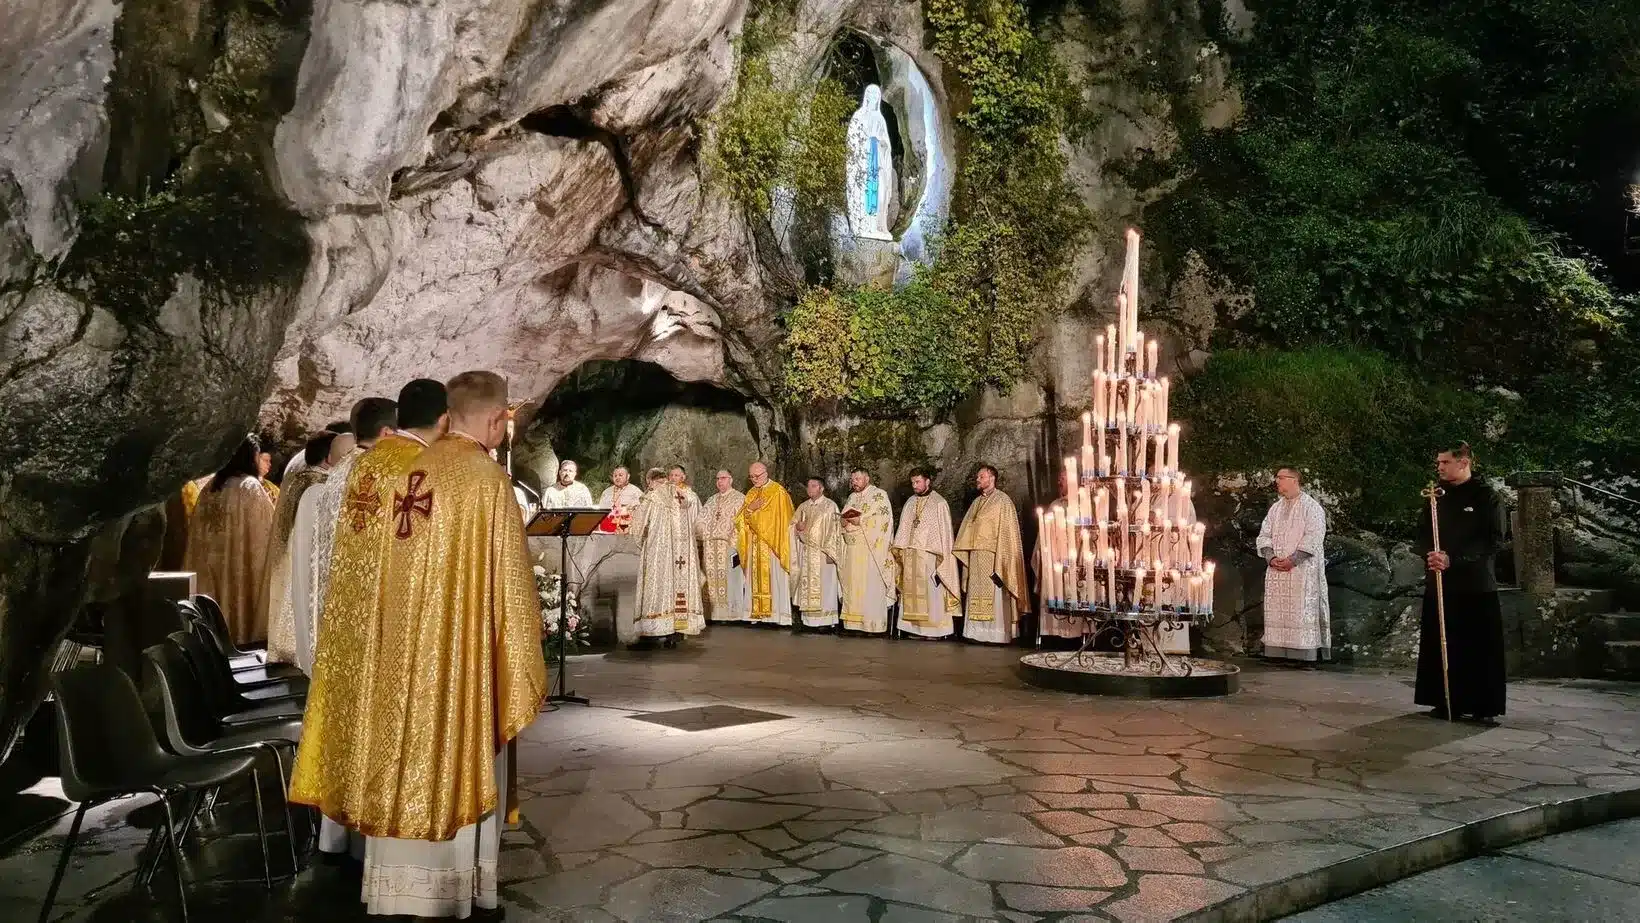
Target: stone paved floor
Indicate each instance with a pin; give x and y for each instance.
(1586, 875)
(917, 781)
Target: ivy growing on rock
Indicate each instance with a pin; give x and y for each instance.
(1000, 266)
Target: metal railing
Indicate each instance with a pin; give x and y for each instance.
(1602, 491)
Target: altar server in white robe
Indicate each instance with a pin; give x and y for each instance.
(867, 572)
(930, 594)
(567, 493)
(726, 597)
(669, 599)
(817, 546)
(1297, 616)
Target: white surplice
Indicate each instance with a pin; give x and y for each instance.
(1297, 615)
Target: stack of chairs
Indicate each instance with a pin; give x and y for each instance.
(208, 715)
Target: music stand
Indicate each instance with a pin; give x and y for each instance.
(565, 523)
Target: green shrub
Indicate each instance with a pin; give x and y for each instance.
(1360, 425)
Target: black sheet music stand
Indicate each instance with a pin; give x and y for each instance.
(565, 523)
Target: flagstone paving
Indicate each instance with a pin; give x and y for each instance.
(923, 781)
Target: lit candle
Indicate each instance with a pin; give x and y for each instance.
(1087, 432)
(1198, 535)
(1071, 485)
(1110, 579)
(1111, 368)
(1173, 448)
(1156, 587)
(1104, 466)
(1187, 513)
(1127, 337)
(1173, 588)
(1084, 505)
(1168, 555)
(1122, 455)
(1098, 358)
(1097, 401)
(1152, 355)
(1143, 518)
(1138, 588)
(1101, 537)
(1160, 467)
(1207, 588)
(1043, 540)
(1163, 407)
(1101, 505)
(1090, 582)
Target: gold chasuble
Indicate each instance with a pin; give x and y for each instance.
(415, 699)
(228, 550)
(763, 534)
(346, 649)
(989, 546)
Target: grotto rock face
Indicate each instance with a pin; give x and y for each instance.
(522, 195)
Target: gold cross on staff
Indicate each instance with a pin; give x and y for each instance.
(1432, 492)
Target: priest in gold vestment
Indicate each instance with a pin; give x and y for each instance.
(993, 558)
(228, 544)
(930, 594)
(763, 539)
(663, 525)
(867, 570)
(817, 533)
(726, 599)
(415, 701)
(281, 625)
(363, 537)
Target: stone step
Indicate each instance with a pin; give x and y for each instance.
(1623, 659)
(1620, 626)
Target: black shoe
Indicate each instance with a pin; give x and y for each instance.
(1437, 713)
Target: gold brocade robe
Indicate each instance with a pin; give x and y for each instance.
(763, 534)
(411, 704)
(228, 549)
(923, 546)
(819, 545)
(867, 569)
(346, 646)
(272, 489)
(281, 619)
(989, 546)
(190, 493)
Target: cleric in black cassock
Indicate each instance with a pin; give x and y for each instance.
(1471, 536)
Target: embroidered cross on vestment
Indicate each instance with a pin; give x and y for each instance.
(363, 503)
(411, 502)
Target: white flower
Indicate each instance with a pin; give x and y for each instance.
(540, 571)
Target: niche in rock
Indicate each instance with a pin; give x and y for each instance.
(635, 414)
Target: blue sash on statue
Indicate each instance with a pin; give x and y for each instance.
(871, 177)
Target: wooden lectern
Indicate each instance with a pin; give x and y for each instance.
(564, 524)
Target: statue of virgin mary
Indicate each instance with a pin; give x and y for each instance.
(870, 174)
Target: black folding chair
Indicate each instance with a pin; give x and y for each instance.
(187, 728)
(246, 666)
(108, 750)
(223, 696)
